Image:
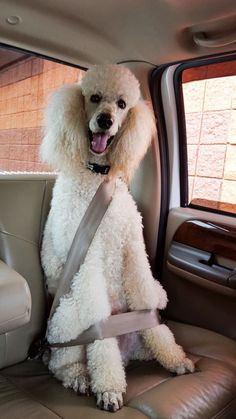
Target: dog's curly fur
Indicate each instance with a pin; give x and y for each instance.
(116, 274)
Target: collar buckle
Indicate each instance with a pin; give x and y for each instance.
(98, 168)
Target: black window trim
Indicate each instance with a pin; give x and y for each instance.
(42, 56)
(155, 90)
(177, 79)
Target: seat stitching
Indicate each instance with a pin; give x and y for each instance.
(30, 396)
(218, 415)
(16, 236)
(149, 388)
(135, 367)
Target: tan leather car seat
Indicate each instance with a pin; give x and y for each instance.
(27, 390)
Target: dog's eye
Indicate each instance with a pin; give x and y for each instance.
(121, 103)
(95, 98)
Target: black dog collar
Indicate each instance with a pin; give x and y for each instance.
(98, 168)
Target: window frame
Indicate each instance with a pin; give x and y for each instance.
(156, 96)
(42, 56)
(183, 157)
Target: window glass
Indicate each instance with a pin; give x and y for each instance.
(25, 84)
(210, 112)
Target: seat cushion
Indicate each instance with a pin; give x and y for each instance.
(27, 390)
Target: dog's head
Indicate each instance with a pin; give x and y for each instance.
(110, 91)
(102, 119)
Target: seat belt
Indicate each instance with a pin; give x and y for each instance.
(83, 238)
(114, 325)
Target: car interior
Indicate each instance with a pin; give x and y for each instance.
(191, 243)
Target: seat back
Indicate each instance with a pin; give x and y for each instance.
(24, 204)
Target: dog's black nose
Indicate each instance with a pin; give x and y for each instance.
(104, 121)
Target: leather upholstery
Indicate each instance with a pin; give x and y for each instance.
(209, 392)
(24, 206)
(15, 299)
(27, 390)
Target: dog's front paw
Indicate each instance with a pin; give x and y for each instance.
(184, 367)
(82, 386)
(79, 384)
(110, 400)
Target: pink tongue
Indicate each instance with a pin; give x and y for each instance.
(99, 142)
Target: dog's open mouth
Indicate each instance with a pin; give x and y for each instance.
(99, 141)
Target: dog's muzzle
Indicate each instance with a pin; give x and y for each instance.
(104, 121)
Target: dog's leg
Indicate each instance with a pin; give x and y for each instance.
(161, 343)
(85, 304)
(141, 289)
(143, 292)
(68, 365)
(107, 373)
(74, 376)
(50, 262)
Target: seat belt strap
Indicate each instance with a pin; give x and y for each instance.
(115, 325)
(83, 238)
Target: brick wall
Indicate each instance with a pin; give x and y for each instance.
(210, 106)
(24, 89)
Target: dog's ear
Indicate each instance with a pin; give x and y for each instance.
(65, 138)
(135, 137)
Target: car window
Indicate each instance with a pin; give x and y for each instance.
(209, 94)
(26, 82)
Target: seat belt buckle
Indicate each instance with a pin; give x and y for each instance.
(37, 348)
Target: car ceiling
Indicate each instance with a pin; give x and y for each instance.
(85, 32)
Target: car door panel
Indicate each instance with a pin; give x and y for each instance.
(206, 249)
(199, 273)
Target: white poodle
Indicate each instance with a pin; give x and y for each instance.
(101, 122)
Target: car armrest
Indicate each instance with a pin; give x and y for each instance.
(15, 299)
